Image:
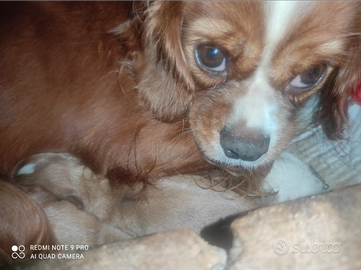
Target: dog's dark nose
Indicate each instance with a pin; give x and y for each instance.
(247, 145)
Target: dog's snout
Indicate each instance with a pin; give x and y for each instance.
(246, 145)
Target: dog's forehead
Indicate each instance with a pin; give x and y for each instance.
(269, 21)
(281, 16)
(275, 16)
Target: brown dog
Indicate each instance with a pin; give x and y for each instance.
(141, 91)
(93, 78)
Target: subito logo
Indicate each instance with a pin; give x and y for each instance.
(280, 246)
(18, 252)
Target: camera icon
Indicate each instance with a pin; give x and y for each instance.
(18, 252)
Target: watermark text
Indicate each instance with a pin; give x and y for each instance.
(282, 246)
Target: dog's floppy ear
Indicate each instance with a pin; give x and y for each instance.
(166, 84)
(334, 101)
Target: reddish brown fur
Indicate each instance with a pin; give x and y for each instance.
(82, 104)
(116, 84)
(62, 90)
(14, 216)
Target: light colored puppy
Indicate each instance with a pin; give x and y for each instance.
(84, 208)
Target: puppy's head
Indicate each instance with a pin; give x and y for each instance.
(241, 70)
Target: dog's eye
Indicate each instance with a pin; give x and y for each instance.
(309, 79)
(211, 58)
